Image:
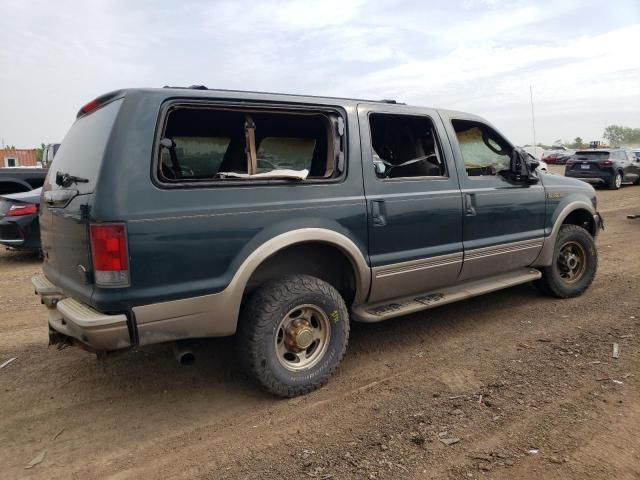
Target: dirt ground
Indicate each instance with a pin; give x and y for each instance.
(508, 385)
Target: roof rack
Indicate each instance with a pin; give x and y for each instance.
(202, 87)
(190, 87)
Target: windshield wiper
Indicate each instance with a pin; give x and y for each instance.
(65, 180)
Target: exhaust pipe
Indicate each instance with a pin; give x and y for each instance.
(183, 353)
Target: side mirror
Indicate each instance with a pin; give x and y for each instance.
(522, 167)
(533, 164)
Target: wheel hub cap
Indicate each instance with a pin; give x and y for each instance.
(299, 335)
(302, 337)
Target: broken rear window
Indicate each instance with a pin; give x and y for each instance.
(204, 144)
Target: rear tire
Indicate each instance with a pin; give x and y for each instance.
(292, 335)
(574, 265)
(615, 182)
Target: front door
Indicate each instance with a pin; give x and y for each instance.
(503, 221)
(413, 200)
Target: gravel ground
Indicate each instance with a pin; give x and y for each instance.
(508, 385)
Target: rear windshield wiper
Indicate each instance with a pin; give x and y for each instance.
(65, 180)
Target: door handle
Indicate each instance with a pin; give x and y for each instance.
(377, 213)
(469, 204)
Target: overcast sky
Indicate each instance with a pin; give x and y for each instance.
(582, 58)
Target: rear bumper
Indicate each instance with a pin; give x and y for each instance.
(96, 331)
(594, 178)
(591, 180)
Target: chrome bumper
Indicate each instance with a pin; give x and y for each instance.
(97, 331)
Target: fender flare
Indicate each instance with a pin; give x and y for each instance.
(361, 269)
(545, 257)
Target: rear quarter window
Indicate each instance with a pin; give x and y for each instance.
(216, 145)
(83, 147)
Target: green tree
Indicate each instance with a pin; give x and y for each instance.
(618, 135)
(577, 143)
(39, 152)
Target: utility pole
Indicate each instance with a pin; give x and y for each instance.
(533, 119)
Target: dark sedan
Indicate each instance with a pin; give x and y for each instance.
(19, 227)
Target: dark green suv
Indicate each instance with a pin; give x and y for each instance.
(171, 214)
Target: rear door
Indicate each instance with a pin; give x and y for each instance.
(503, 221)
(415, 206)
(66, 203)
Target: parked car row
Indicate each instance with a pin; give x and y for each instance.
(557, 156)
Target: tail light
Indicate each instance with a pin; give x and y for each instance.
(605, 163)
(20, 210)
(109, 254)
(570, 162)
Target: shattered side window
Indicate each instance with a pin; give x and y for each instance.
(285, 153)
(484, 152)
(197, 157)
(215, 144)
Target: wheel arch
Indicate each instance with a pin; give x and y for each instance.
(325, 261)
(298, 244)
(574, 213)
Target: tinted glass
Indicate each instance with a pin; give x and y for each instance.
(198, 156)
(595, 156)
(285, 153)
(82, 149)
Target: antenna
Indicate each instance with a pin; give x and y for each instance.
(533, 119)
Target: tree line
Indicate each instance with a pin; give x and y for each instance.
(620, 136)
(615, 136)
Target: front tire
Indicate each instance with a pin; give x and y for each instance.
(292, 335)
(575, 261)
(616, 181)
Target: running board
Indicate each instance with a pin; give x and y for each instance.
(376, 312)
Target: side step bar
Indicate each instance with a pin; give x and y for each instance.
(376, 312)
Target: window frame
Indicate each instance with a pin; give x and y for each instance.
(15, 162)
(439, 152)
(464, 165)
(246, 107)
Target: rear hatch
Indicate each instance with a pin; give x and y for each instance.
(67, 197)
(589, 163)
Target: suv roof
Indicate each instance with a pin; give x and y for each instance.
(198, 91)
(599, 150)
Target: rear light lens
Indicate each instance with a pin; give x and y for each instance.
(570, 162)
(605, 163)
(96, 103)
(89, 107)
(109, 254)
(20, 210)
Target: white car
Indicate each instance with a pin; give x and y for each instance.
(543, 167)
